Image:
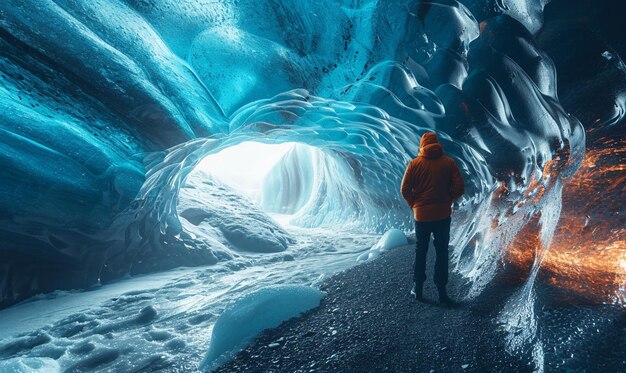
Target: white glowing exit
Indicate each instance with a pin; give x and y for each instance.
(244, 166)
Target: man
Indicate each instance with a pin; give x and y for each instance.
(431, 183)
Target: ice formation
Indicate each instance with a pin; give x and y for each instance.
(108, 109)
(391, 239)
(127, 81)
(231, 218)
(257, 311)
(29, 365)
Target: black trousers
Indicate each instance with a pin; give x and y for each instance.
(440, 229)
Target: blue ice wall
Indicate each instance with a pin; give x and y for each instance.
(89, 88)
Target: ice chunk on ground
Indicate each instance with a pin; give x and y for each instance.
(29, 365)
(391, 239)
(247, 317)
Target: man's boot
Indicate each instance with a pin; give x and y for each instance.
(443, 295)
(418, 289)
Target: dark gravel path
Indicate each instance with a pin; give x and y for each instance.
(369, 323)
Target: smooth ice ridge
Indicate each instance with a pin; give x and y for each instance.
(298, 176)
(255, 312)
(391, 239)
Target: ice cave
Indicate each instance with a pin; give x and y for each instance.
(214, 185)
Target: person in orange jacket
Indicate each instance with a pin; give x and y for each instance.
(431, 183)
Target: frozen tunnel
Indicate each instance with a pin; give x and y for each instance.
(279, 178)
(261, 143)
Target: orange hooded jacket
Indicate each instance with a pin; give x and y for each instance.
(432, 181)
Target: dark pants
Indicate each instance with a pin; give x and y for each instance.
(440, 229)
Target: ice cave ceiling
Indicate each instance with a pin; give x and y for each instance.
(107, 105)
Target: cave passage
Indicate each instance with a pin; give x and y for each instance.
(280, 178)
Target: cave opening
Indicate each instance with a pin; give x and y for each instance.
(280, 178)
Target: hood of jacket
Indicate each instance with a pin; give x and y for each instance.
(430, 146)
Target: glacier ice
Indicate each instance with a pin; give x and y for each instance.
(351, 84)
(291, 183)
(30, 365)
(227, 216)
(518, 318)
(391, 239)
(248, 316)
(110, 108)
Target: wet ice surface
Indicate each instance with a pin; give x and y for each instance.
(162, 320)
(579, 335)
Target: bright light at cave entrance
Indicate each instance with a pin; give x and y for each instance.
(244, 166)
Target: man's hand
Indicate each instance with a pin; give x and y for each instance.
(406, 189)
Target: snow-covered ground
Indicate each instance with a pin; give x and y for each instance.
(160, 319)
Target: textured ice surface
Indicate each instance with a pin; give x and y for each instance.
(229, 217)
(164, 320)
(518, 318)
(88, 88)
(292, 182)
(590, 68)
(244, 319)
(29, 365)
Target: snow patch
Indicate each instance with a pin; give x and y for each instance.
(226, 219)
(391, 239)
(255, 312)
